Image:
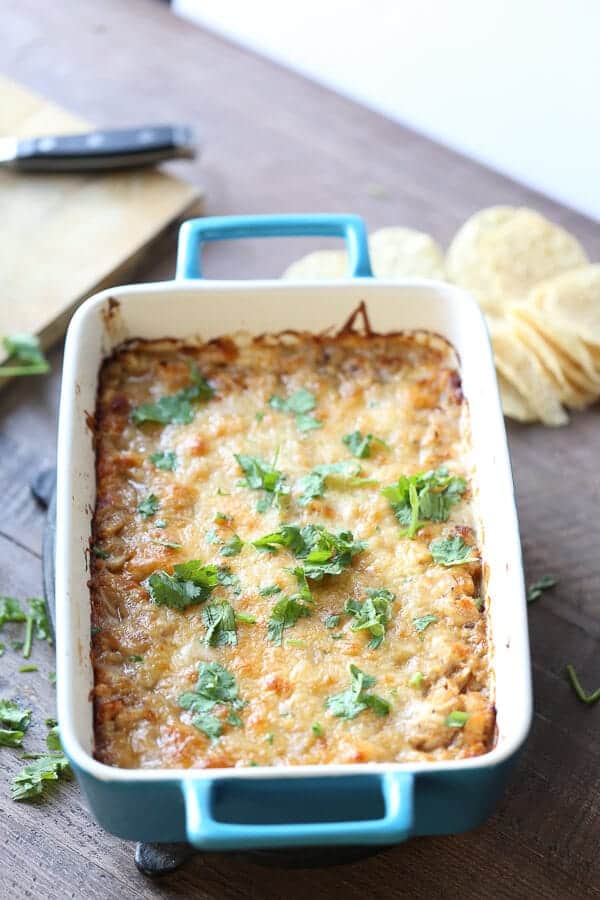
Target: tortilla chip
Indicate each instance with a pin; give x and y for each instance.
(501, 252)
(572, 301)
(514, 405)
(520, 368)
(395, 253)
(321, 265)
(404, 253)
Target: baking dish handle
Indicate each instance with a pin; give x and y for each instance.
(296, 799)
(196, 232)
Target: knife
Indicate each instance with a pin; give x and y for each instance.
(118, 148)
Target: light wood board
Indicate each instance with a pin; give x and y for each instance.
(65, 236)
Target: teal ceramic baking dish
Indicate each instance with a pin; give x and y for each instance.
(227, 809)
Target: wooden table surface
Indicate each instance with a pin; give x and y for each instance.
(275, 142)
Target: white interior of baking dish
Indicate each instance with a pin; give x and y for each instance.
(208, 309)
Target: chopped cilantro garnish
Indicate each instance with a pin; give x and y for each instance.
(259, 416)
(10, 611)
(317, 729)
(148, 506)
(99, 553)
(322, 552)
(423, 622)
(285, 614)
(165, 460)
(345, 472)
(263, 476)
(535, 590)
(28, 669)
(53, 739)
(135, 658)
(2, 649)
(451, 551)
(426, 496)
(269, 738)
(176, 408)
(52, 677)
(191, 583)
(219, 619)
(295, 642)
(300, 404)
(215, 685)
(14, 722)
(160, 523)
(332, 621)
(25, 356)
(50, 722)
(350, 703)
(222, 518)
(269, 590)
(234, 719)
(457, 719)
(212, 537)
(232, 547)
(416, 680)
(372, 615)
(172, 545)
(37, 625)
(360, 446)
(32, 780)
(245, 618)
(577, 687)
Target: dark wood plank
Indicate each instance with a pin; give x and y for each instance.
(275, 142)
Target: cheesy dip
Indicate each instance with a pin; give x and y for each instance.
(285, 562)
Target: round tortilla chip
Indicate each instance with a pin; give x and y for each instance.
(395, 253)
(514, 405)
(552, 362)
(575, 359)
(322, 264)
(572, 301)
(404, 253)
(520, 368)
(501, 252)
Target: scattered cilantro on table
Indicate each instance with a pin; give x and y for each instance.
(14, 722)
(25, 356)
(535, 590)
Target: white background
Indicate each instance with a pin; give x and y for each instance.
(512, 83)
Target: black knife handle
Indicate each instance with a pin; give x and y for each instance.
(107, 149)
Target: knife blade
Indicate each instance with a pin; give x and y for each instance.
(117, 148)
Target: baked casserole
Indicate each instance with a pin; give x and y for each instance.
(285, 554)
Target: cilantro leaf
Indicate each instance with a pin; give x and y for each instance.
(372, 615)
(227, 578)
(423, 622)
(426, 496)
(350, 703)
(191, 583)
(215, 685)
(578, 688)
(148, 506)
(14, 722)
(457, 719)
(10, 611)
(53, 739)
(31, 781)
(262, 476)
(25, 356)
(313, 485)
(37, 625)
(269, 590)
(284, 614)
(232, 547)
(416, 680)
(300, 404)
(175, 408)
(452, 551)
(245, 618)
(332, 621)
(535, 590)
(219, 619)
(164, 459)
(323, 552)
(360, 446)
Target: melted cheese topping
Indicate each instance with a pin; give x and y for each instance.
(404, 389)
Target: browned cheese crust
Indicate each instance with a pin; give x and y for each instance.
(405, 390)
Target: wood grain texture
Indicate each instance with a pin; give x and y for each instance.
(275, 142)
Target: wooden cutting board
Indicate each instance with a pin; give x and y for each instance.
(63, 237)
